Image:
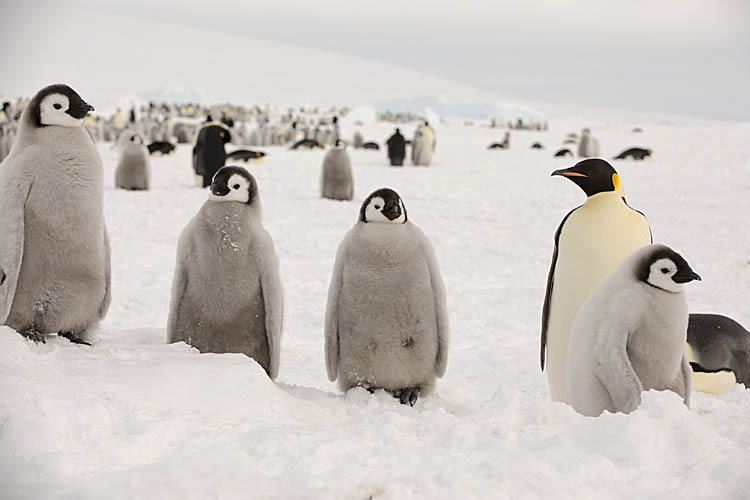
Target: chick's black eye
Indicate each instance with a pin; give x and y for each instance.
(664, 270)
(377, 207)
(236, 186)
(57, 106)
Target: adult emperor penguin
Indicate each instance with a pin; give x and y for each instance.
(719, 352)
(386, 321)
(134, 170)
(226, 291)
(590, 242)
(209, 154)
(336, 180)
(629, 336)
(54, 250)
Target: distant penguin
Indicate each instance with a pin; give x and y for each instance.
(637, 130)
(629, 336)
(634, 154)
(209, 154)
(536, 145)
(161, 147)
(570, 141)
(358, 140)
(564, 153)
(245, 155)
(226, 291)
(306, 144)
(589, 146)
(396, 148)
(54, 251)
(386, 321)
(589, 243)
(336, 180)
(134, 170)
(423, 145)
(719, 352)
(501, 145)
(371, 145)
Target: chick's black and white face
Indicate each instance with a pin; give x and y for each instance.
(384, 205)
(669, 273)
(59, 105)
(231, 184)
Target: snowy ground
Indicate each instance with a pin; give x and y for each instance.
(133, 418)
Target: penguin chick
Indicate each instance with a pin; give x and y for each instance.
(386, 320)
(629, 336)
(54, 251)
(226, 291)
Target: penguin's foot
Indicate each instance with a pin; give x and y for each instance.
(73, 338)
(407, 396)
(33, 335)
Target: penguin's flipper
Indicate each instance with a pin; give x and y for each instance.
(548, 292)
(273, 301)
(441, 307)
(104, 307)
(332, 311)
(611, 362)
(687, 378)
(177, 304)
(14, 189)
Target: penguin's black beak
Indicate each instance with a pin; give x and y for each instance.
(80, 111)
(686, 277)
(219, 190)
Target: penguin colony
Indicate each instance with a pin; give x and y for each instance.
(614, 319)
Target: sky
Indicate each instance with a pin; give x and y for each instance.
(689, 57)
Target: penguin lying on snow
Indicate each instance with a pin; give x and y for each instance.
(629, 336)
(386, 321)
(719, 347)
(501, 145)
(307, 144)
(634, 154)
(134, 170)
(589, 243)
(161, 147)
(371, 145)
(537, 145)
(54, 251)
(226, 291)
(564, 153)
(245, 155)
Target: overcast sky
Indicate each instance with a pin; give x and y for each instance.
(674, 56)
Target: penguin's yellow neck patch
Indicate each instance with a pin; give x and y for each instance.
(616, 182)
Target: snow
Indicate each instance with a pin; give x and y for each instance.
(131, 417)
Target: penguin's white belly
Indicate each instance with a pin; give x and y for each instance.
(387, 321)
(594, 240)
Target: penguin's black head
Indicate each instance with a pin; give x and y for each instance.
(383, 205)
(398, 131)
(593, 175)
(58, 105)
(233, 183)
(665, 269)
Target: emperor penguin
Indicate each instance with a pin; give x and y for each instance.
(386, 323)
(630, 335)
(589, 145)
(226, 290)
(719, 352)
(209, 154)
(590, 242)
(54, 251)
(336, 180)
(134, 170)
